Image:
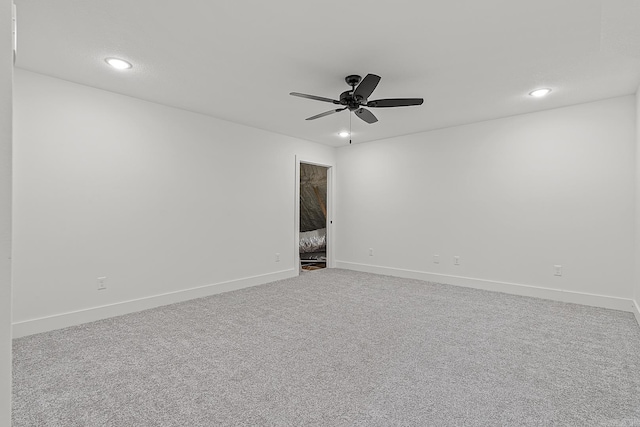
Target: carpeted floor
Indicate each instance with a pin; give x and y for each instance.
(337, 348)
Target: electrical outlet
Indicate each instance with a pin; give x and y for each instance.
(456, 260)
(102, 283)
(277, 257)
(436, 259)
(557, 270)
(370, 251)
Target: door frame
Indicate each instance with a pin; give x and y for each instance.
(330, 208)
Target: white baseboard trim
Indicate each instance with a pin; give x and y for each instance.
(594, 300)
(636, 311)
(63, 320)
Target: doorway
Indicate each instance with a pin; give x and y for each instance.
(313, 216)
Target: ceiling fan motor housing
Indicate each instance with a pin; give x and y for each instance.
(347, 99)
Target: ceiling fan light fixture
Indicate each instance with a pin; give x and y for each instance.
(539, 93)
(343, 134)
(118, 64)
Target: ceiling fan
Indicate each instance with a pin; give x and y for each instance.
(357, 98)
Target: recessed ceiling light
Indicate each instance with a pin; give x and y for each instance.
(344, 134)
(118, 64)
(539, 93)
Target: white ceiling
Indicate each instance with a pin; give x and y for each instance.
(238, 60)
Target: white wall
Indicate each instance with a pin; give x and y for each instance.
(511, 197)
(637, 211)
(157, 199)
(6, 70)
(162, 201)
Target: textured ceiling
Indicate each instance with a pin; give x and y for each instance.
(238, 60)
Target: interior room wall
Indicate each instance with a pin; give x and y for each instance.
(637, 212)
(511, 198)
(157, 200)
(6, 70)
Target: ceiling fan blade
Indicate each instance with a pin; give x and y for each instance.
(366, 86)
(326, 113)
(366, 115)
(395, 102)
(317, 98)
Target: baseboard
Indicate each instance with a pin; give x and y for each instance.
(63, 320)
(594, 300)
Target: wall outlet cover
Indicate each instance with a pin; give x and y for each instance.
(557, 270)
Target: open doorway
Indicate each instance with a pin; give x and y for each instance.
(313, 216)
